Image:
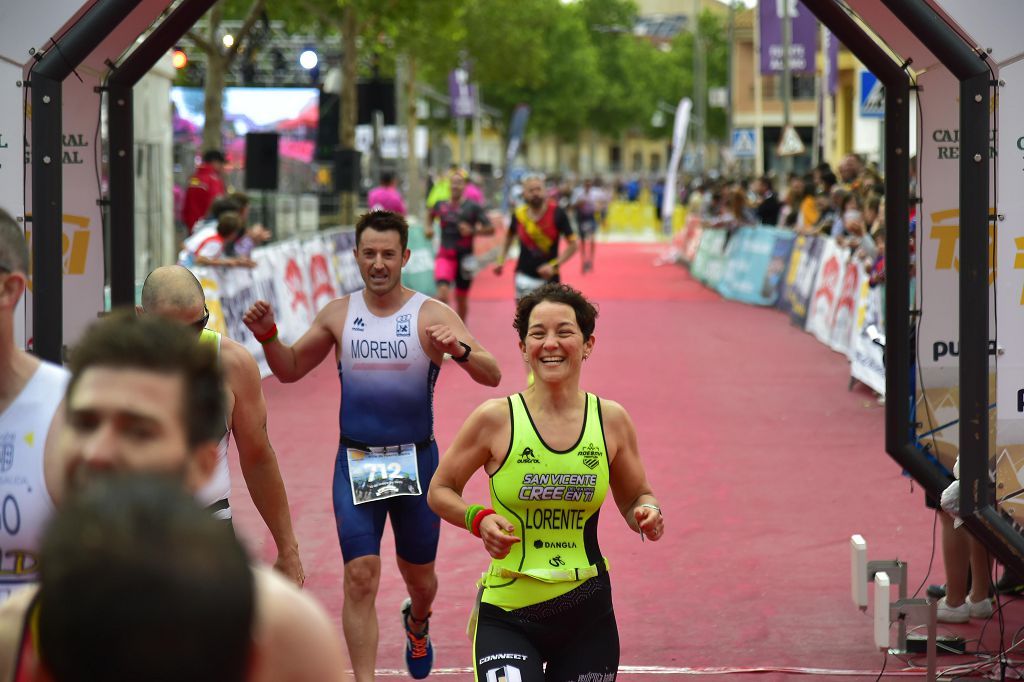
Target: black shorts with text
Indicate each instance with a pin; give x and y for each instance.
(572, 638)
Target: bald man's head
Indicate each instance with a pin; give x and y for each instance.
(173, 291)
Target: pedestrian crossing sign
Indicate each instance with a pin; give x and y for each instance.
(744, 143)
(791, 144)
(872, 96)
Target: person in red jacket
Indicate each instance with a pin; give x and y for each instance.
(205, 185)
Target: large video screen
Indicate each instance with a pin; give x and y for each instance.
(292, 112)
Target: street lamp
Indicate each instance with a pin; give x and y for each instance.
(308, 59)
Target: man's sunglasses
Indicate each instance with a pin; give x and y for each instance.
(200, 324)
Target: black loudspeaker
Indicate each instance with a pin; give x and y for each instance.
(327, 127)
(376, 95)
(261, 162)
(346, 170)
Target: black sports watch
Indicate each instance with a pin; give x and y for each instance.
(465, 357)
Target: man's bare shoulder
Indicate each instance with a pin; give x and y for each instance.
(332, 315)
(434, 311)
(233, 354)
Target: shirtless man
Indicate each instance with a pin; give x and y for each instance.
(389, 343)
(174, 292)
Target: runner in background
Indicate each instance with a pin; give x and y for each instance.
(385, 196)
(460, 220)
(589, 203)
(539, 225)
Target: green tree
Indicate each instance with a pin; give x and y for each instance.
(630, 81)
(714, 42)
(569, 87)
(536, 52)
(220, 58)
(424, 37)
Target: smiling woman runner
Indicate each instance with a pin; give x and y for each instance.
(552, 453)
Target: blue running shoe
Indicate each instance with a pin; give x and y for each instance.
(419, 652)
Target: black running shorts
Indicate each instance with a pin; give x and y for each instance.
(574, 635)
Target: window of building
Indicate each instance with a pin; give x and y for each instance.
(803, 87)
(615, 158)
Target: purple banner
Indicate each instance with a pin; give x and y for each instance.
(832, 54)
(803, 36)
(461, 93)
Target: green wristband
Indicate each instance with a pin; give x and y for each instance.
(470, 514)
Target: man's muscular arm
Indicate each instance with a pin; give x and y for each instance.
(444, 331)
(291, 363)
(256, 456)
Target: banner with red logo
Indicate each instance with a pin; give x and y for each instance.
(297, 277)
(828, 281)
(323, 282)
(844, 316)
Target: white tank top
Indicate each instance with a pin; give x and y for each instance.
(25, 503)
(387, 378)
(219, 486)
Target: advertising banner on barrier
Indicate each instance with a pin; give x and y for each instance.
(867, 358)
(754, 265)
(709, 262)
(803, 270)
(775, 277)
(323, 283)
(418, 273)
(698, 264)
(797, 254)
(343, 258)
(293, 301)
(828, 282)
(844, 316)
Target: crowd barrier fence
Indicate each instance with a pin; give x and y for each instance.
(810, 278)
(300, 275)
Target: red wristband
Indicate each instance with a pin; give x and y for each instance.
(268, 336)
(480, 516)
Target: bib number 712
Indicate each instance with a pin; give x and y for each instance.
(382, 471)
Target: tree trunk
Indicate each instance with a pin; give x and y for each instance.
(415, 199)
(213, 87)
(349, 103)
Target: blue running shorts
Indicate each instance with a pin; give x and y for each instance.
(360, 527)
